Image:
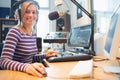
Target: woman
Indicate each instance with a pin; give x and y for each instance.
(20, 45)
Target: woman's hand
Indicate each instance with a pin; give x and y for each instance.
(36, 69)
(50, 53)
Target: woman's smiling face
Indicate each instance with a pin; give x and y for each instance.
(29, 13)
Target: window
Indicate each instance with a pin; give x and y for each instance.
(43, 21)
(43, 3)
(103, 13)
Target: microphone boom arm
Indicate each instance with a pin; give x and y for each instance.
(92, 22)
(83, 9)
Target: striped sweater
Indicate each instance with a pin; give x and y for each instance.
(19, 50)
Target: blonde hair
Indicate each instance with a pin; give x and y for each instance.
(19, 13)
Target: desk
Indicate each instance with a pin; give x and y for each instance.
(59, 71)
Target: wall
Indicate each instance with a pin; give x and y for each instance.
(99, 40)
(84, 19)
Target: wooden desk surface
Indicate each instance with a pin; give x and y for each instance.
(59, 71)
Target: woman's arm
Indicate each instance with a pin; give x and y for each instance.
(48, 53)
(6, 61)
(39, 57)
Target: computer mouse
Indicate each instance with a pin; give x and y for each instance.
(45, 74)
(44, 62)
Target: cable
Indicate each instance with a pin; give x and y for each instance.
(96, 59)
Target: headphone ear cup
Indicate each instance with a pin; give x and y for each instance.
(16, 14)
(19, 13)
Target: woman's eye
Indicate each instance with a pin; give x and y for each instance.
(33, 12)
(27, 12)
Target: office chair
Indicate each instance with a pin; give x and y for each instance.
(1, 46)
(39, 43)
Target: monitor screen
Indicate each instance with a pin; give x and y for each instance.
(112, 42)
(80, 36)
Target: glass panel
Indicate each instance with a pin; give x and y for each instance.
(97, 6)
(43, 3)
(103, 13)
(43, 23)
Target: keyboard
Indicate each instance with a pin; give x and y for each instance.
(69, 56)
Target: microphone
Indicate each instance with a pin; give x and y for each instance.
(55, 15)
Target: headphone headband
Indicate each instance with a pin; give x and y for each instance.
(17, 4)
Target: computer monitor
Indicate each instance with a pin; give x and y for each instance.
(80, 36)
(111, 47)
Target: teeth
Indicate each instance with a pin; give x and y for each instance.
(28, 18)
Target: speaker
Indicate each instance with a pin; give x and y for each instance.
(63, 23)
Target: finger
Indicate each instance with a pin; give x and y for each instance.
(54, 53)
(35, 72)
(40, 65)
(40, 68)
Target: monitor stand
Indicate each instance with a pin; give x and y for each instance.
(112, 69)
(111, 66)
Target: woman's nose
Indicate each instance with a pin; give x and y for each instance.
(30, 14)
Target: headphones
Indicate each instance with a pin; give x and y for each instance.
(17, 7)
